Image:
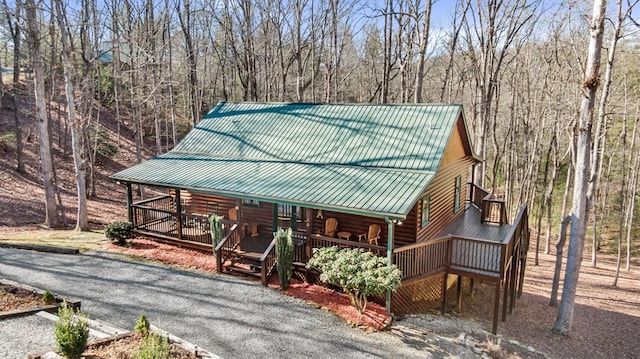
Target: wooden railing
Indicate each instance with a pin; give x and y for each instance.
(268, 262)
(318, 241)
(477, 256)
(493, 209)
(195, 228)
(476, 194)
(155, 215)
(229, 242)
(299, 247)
(422, 258)
(484, 258)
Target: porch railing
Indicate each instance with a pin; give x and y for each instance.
(268, 262)
(477, 256)
(422, 258)
(318, 241)
(491, 259)
(493, 208)
(229, 242)
(155, 215)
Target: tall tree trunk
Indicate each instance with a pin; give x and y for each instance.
(579, 212)
(553, 301)
(604, 96)
(33, 35)
(77, 125)
(14, 29)
(422, 51)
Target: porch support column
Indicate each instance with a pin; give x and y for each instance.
(178, 213)
(309, 220)
(129, 203)
(390, 230)
(294, 218)
(274, 211)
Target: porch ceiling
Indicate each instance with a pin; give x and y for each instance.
(360, 190)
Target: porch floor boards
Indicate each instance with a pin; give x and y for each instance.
(469, 225)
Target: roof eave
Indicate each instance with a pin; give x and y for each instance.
(305, 204)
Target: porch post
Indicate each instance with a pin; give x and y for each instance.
(274, 211)
(129, 203)
(178, 213)
(309, 220)
(390, 228)
(294, 218)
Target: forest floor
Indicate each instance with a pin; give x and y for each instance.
(606, 318)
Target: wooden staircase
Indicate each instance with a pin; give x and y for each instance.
(247, 256)
(245, 263)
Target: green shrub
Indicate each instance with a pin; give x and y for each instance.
(215, 223)
(142, 325)
(357, 272)
(71, 332)
(48, 298)
(119, 231)
(153, 346)
(100, 142)
(284, 256)
(7, 140)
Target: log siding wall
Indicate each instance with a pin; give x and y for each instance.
(442, 192)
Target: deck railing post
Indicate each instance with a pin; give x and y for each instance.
(390, 228)
(178, 214)
(129, 203)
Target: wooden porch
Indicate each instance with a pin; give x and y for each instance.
(480, 244)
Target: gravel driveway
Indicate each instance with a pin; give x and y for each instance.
(228, 316)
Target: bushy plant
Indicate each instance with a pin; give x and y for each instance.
(7, 140)
(119, 231)
(100, 142)
(142, 325)
(215, 225)
(153, 346)
(48, 298)
(357, 272)
(71, 332)
(284, 256)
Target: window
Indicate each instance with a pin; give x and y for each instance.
(458, 194)
(286, 211)
(250, 202)
(426, 211)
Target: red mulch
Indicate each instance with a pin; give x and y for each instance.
(375, 317)
(166, 254)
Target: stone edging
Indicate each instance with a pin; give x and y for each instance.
(41, 248)
(200, 353)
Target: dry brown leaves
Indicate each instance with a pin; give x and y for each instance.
(14, 298)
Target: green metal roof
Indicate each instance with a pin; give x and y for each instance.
(366, 159)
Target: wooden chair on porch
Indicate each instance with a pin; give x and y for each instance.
(372, 236)
(330, 227)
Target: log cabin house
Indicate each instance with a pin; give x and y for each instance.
(392, 179)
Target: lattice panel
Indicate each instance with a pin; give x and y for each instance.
(418, 297)
(425, 295)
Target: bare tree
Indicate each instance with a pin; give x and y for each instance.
(13, 22)
(52, 219)
(579, 212)
(78, 125)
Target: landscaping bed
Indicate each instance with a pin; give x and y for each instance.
(123, 346)
(18, 300)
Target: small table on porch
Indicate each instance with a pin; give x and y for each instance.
(344, 235)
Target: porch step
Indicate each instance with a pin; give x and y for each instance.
(255, 271)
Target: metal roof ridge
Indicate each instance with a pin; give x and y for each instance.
(326, 164)
(339, 103)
